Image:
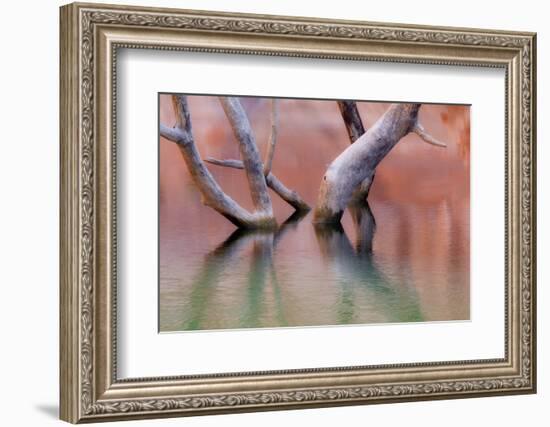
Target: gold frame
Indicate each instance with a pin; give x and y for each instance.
(90, 36)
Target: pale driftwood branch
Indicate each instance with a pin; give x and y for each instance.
(354, 125)
(272, 138)
(174, 134)
(249, 152)
(228, 163)
(183, 116)
(243, 133)
(289, 196)
(352, 119)
(359, 161)
(425, 136)
(211, 192)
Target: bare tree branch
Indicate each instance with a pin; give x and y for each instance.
(359, 161)
(272, 138)
(249, 152)
(183, 116)
(352, 119)
(228, 163)
(289, 196)
(421, 132)
(356, 165)
(354, 125)
(173, 134)
(211, 192)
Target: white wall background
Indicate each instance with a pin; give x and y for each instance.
(29, 170)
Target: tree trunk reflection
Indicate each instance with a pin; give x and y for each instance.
(220, 260)
(355, 269)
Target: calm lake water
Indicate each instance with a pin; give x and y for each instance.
(404, 257)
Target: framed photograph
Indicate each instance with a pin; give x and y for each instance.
(266, 212)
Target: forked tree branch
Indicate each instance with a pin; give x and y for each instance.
(354, 125)
(289, 196)
(249, 153)
(358, 162)
(211, 192)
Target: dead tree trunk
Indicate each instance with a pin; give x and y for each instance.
(352, 119)
(249, 153)
(289, 196)
(211, 192)
(355, 128)
(358, 162)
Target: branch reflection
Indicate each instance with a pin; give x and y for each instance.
(357, 274)
(223, 257)
(356, 270)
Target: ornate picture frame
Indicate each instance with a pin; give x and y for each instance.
(90, 37)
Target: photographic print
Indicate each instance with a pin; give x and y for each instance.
(279, 212)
